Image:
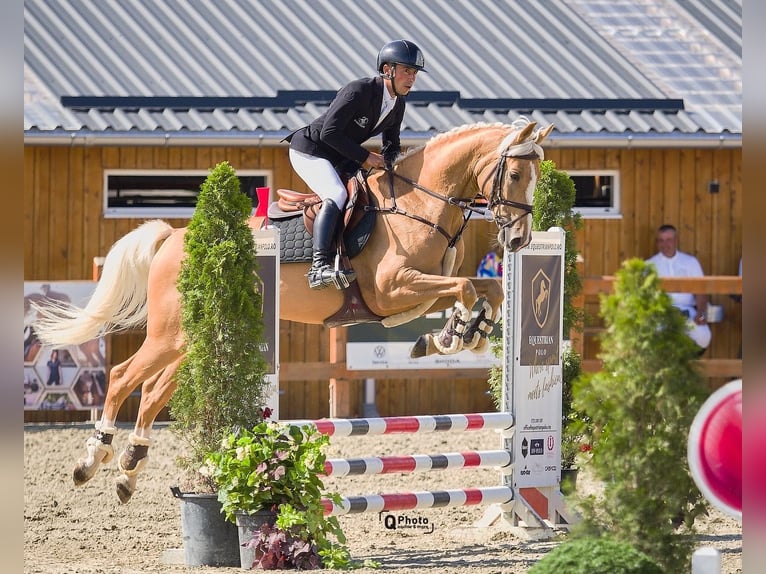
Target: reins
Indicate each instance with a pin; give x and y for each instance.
(466, 205)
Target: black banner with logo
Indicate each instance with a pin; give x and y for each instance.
(540, 310)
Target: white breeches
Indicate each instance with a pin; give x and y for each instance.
(320, 176)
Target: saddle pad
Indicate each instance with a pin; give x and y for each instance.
(295, 242)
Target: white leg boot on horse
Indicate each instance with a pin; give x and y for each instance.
(131, 462)
(99, 447)
(323, 272)
(155, 394)
(99, 450)
(476, 336)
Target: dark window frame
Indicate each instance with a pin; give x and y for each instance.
(165, 193)
(598, 193)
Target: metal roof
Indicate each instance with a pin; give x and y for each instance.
(100, 71)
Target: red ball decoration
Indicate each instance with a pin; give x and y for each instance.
(715, 449)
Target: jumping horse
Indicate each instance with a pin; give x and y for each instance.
(407, 268)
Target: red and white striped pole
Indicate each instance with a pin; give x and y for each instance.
(414, 424)
(417, 463)
(411, 500)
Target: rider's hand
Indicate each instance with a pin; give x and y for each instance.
(374, 160)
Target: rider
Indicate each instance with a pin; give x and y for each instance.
(332, 143)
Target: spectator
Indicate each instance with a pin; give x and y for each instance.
(670, 262)
(491, 264)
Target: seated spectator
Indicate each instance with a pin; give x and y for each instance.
(673, 263)
(491, 264)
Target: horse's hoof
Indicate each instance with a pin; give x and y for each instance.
(81, 475)
(420, 348)
(124, 489)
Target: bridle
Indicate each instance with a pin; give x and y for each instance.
(529, 150)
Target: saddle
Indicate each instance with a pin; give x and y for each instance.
(292, 203)
(293, 214)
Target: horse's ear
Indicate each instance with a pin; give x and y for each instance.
(525, 133)
(543, 133)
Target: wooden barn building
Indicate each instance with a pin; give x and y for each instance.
(125, 101)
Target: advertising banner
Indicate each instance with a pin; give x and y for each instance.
(267, 257)
(533, 315)
(71, 377)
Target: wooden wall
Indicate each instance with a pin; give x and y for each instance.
(64, 229)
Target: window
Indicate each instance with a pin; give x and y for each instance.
(597, 193)
(164, 193)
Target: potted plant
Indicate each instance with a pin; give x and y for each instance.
(221, 382)
(269, 482)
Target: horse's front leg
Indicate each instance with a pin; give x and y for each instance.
(410, 288)
(476, 336)
(156, 393)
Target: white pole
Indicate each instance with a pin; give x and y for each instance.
(706, 560)
(370, 409)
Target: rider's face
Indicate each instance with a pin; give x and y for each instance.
(403, 77)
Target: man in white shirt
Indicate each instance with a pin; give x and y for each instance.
(673, 263)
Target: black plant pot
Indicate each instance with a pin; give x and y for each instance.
(247, 526)
(209, 539)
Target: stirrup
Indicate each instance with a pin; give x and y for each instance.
(325, 276)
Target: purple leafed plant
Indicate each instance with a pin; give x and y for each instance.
(277, 549)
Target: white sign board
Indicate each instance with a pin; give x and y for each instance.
(532, 319)
(267, 257)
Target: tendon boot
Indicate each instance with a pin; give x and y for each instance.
(323, 271)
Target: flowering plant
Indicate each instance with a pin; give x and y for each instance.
(278, 467)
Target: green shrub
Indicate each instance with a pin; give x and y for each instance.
(221, 381)
(553, 207)
(595, 556)
(642, 404)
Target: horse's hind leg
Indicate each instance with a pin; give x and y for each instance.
(123, 380)
(99, 446)
(156, 393)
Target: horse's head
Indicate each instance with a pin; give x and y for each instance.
(514, 179)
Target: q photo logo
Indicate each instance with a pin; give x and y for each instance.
(403, 521)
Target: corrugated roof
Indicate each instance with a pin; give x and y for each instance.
(238, 69)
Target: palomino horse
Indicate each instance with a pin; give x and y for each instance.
(405, 270)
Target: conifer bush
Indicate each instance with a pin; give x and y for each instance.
(595, 556)
(221, 381)
(642, 404)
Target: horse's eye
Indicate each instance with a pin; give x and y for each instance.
(515, 176)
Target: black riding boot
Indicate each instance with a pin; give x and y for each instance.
(323, 272)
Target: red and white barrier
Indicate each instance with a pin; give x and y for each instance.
(411, 500)
(414, 424)
(416, 463)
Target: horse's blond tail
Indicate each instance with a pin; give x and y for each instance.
(119, 300)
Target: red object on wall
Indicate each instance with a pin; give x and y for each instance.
(263, 201)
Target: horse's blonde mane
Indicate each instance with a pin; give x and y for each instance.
(517, 124)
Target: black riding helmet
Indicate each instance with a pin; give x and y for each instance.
(401, 52)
